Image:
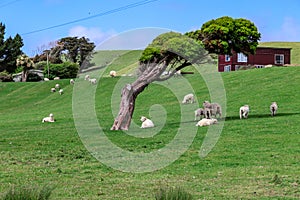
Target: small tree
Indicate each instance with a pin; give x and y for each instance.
(168, 52)
(26, 63)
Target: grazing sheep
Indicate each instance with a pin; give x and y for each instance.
(147, 123)
(46, 79)
(93, 80)
(199, 113)
(189, 98)
(87, 77)
(48, 119)
(72, 81)
(244, 111)
(207, 113)
(53, 90)
(61, 91)
(207, 122)
(113, 73)
(56, 78)
(273, 108)
(57, 86)
(215, 108)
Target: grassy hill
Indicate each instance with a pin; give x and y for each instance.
(256, 158)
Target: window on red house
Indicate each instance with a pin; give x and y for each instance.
(242, 57)
(279, 59)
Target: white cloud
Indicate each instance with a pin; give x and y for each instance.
(94, 34)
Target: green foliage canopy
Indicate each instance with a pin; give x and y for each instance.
(10, 49)
(225, 34)
(173, 50)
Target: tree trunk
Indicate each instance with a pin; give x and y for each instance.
(24, 75)
(128, 97)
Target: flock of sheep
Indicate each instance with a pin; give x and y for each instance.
(50, 118)
(209, 113)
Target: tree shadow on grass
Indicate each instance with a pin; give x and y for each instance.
(258, 116)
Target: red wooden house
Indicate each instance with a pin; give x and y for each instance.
(263, 56)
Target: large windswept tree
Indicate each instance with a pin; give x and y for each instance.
(168, 52)
(225, 34)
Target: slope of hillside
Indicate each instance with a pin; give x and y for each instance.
(256, 158)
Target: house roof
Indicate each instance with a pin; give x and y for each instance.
(261, 47)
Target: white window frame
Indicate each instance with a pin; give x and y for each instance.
(281, 60)
(227, 58)
(242, 57)
(227, 68)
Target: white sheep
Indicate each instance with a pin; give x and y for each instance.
(273, 108)
(189, 98)
(53, 90)
(207, 122)
(113, 73)
(48, 119)
(244, 111)
(61, 91)
(57, 86)
(46, 79)
(56, 78)
(215, 108)
(87, 77)
(93, 80)
(147, 123)
(72, 81)
(199, 113)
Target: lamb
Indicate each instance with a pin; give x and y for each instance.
(72, 81)
(46, 79)
(202, 112)
(48, 119)
(93, 80)
(113, 73)
(244, 111)
(199, 113)
(87, 77)
(189, 98)
(207, 122)
(53, 90)
(56, 78)
(61, 91)
(215, 108)
(273, 108)
(147, 123)
(57, 86)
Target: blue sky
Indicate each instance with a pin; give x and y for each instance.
(276, 20)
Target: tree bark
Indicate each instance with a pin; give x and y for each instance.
(128, 97)
(24, 75)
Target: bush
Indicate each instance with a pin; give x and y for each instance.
(5, 76)
(41, 65)
(24, 193)
(63, 70)
(172, 194)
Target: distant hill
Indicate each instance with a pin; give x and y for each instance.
(295, 52)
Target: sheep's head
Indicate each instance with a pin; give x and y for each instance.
(51, 115)
(143, 118)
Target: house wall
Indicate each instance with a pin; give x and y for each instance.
(263, 56)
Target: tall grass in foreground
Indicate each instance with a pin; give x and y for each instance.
(177, 193)
(28, 193)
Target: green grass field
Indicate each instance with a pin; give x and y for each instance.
(256, 158)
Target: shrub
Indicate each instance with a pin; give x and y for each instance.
(41, 65)
(63, 70)
(172, 194)
(27, 193)
(5, 76)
